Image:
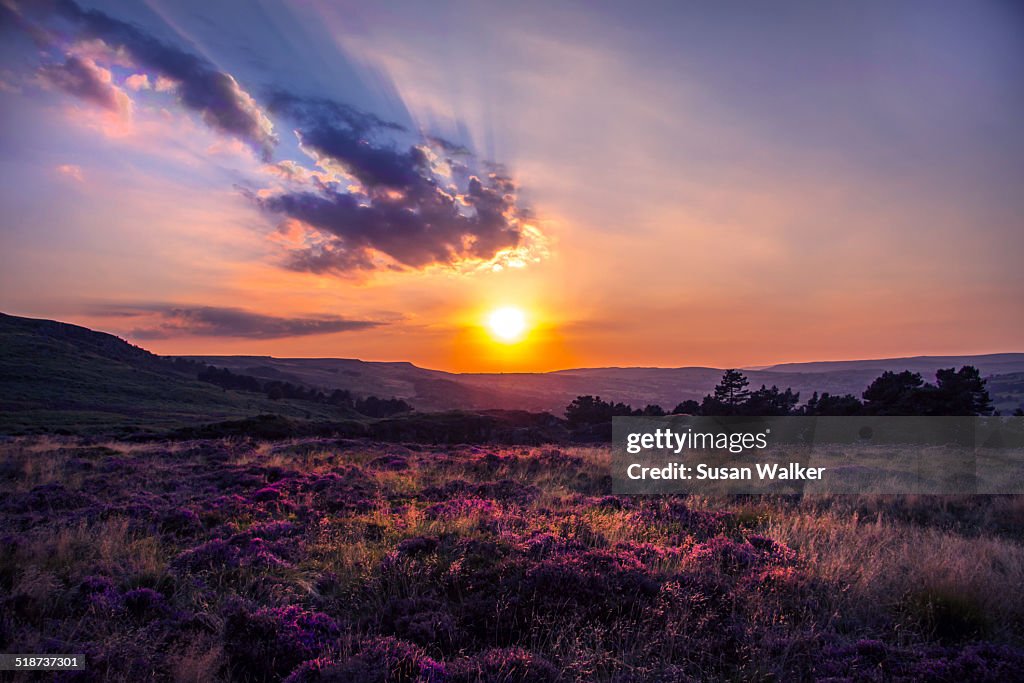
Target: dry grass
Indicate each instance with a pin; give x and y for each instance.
(890, 565)
(913, 572)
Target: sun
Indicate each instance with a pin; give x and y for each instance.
(507, 324)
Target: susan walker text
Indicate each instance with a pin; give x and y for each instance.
(700, 471)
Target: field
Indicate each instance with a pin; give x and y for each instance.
(335, 560)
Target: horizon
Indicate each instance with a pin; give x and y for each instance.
(627, 189)
(744, 368)
(626, 367)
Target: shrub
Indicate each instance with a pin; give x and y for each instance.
(423, 621)
(268, 643)
(725, 555)
(378, 660)
(389, 463)
(595, 583)
(180, 522)
(508, 665)
(145, 604)
(947, 614)
(418, 545)
(219, 555)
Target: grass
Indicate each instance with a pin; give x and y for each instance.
(322, 559)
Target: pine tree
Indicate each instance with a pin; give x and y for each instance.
(732, 391)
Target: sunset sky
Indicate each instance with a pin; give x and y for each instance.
(723, 184)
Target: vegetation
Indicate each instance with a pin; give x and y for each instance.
(58, 377)
(956, 392)
(371, 406)
(327, 560)
(278, 537)
(64, 378)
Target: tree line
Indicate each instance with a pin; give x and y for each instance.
(955, 392)
(370, 406)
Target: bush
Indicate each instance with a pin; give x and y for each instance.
(268, 643)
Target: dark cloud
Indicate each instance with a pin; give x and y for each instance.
(163, 321)
(405, 206)
(215, 95)
(414, 231)
(448, 146)
(339, 132)
(82, 78)
(385, 196)
(316, 109)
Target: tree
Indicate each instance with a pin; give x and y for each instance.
(374, 406)
(225, 379)
(894, 393)
(341, 397)
(583, 410)
(589, 410)
(827, 404)
(729, 395)
(732, 390)
(769, 402)
(653, 410)
(960, 392)
(688, 407)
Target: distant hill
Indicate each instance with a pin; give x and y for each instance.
(551, 391)
(56, 375)
(987, 364)
(53, 374)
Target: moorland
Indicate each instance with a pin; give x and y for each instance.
(352, 560)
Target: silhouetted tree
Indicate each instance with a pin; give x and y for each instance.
(960, 392)
(827, 404)
(372, 406)
(225, 379)
(770, 402)
(688, 407)
(341, 397)
(895, 393)
(653, 410)
(732, 390)
(589, 410)
(729, 395)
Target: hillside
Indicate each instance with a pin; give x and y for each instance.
(989, 364)
(551, 391)
(59, 375)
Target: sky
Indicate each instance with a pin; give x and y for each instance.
(664, 184)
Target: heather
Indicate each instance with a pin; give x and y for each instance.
(349, 560)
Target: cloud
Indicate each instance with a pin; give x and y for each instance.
(216, 96)
(371, 194)
(11, 20)
(163, 321)
(138, 82)
(401, 207)
(82, 78)
(71, 171)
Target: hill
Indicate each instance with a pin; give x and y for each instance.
(432, 390)
(989, 364)
(54, 375)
